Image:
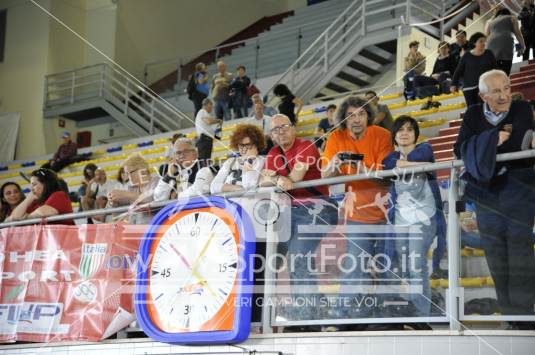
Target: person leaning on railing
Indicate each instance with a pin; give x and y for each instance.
(241, 172)
(503, 192)
(45, 199)
(292, 160)
(141, 186)
(11, 195)
(357, 136)
(186, 175)
(416, 204)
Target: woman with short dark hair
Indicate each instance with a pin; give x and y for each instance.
(11, 196)
(45, 199)
(417, 205)
(242, 172)
(472, 64)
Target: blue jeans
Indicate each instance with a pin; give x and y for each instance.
(221, 109)
(413, 264)
(361, 248)
(301, 248)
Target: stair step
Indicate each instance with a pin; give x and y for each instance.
(352, 79)
(372, 56)
(442, 146)
(527, 67)
(362, 68)
(456, 123)
(449, 131)
(442, 139)
(524, 78)
(523, 73)
(444, 154)
(336, 87)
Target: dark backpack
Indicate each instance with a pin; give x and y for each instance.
(191, 88)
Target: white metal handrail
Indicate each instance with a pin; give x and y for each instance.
(322, 52)
(132, 100)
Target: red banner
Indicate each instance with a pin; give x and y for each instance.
(63, 283)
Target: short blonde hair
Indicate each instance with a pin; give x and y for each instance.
(135, 162)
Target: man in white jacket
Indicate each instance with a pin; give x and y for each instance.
(186, 176)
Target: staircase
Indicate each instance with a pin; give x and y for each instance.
(101, 90)
(356, 47)
(524, 80)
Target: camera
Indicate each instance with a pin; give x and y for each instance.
(350, 156)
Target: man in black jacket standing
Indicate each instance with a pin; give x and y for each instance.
(504, 192)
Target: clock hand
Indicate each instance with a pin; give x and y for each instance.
(203, 250)
(184, 260)
(194, 272)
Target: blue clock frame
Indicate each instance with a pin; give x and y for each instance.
(242, 309)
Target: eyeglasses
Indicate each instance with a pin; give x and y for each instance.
(282, 128)
(40, 172)
(183, 152)
(245, 146)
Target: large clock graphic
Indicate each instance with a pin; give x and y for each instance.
(193, 284)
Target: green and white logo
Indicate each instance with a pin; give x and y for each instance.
(91, 259)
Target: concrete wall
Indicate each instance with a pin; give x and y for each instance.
(149, 31)
(22, 71)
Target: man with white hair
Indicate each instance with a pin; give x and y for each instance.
(504, 192)
(187, 175)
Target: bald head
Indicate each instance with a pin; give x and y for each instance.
(282, 131)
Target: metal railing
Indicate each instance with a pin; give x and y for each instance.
(142, 110)
(351, 29)
(455, 293)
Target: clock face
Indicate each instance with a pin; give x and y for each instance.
(193, 271)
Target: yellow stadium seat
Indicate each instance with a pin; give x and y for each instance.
(489, 281)
(161, 141)
(478, 252)
(228, 128)
(390, 96)
(472, 282)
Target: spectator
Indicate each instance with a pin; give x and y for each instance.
(122, 179)
(201, 90)
(268, 110)
(242, 172)
(238, 91)
(45, 199)
(505, 225)
(383, 117)
(11, 196)
(89, 174)
(325, 126)
(290, 105)
(357, 135)
(414, 65)
(460, 47)
(96, 196)
(140, 190)
(64, 156)
(220, 91)
(474, 63)
(500, 31)
(293, 160)
(173, 140)
(187, 175)
(527, 22)
(206, 126)
(444, 67)
(260, 119)
(416, 203)
(517, 96)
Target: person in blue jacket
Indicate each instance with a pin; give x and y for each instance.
(416, 206)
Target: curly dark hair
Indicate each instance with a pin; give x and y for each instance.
(50, 182)
(248, 130)
(475, 37)
(353, 101)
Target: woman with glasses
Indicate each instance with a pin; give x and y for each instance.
(46, 199)
(11, 196)
(242, 172)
